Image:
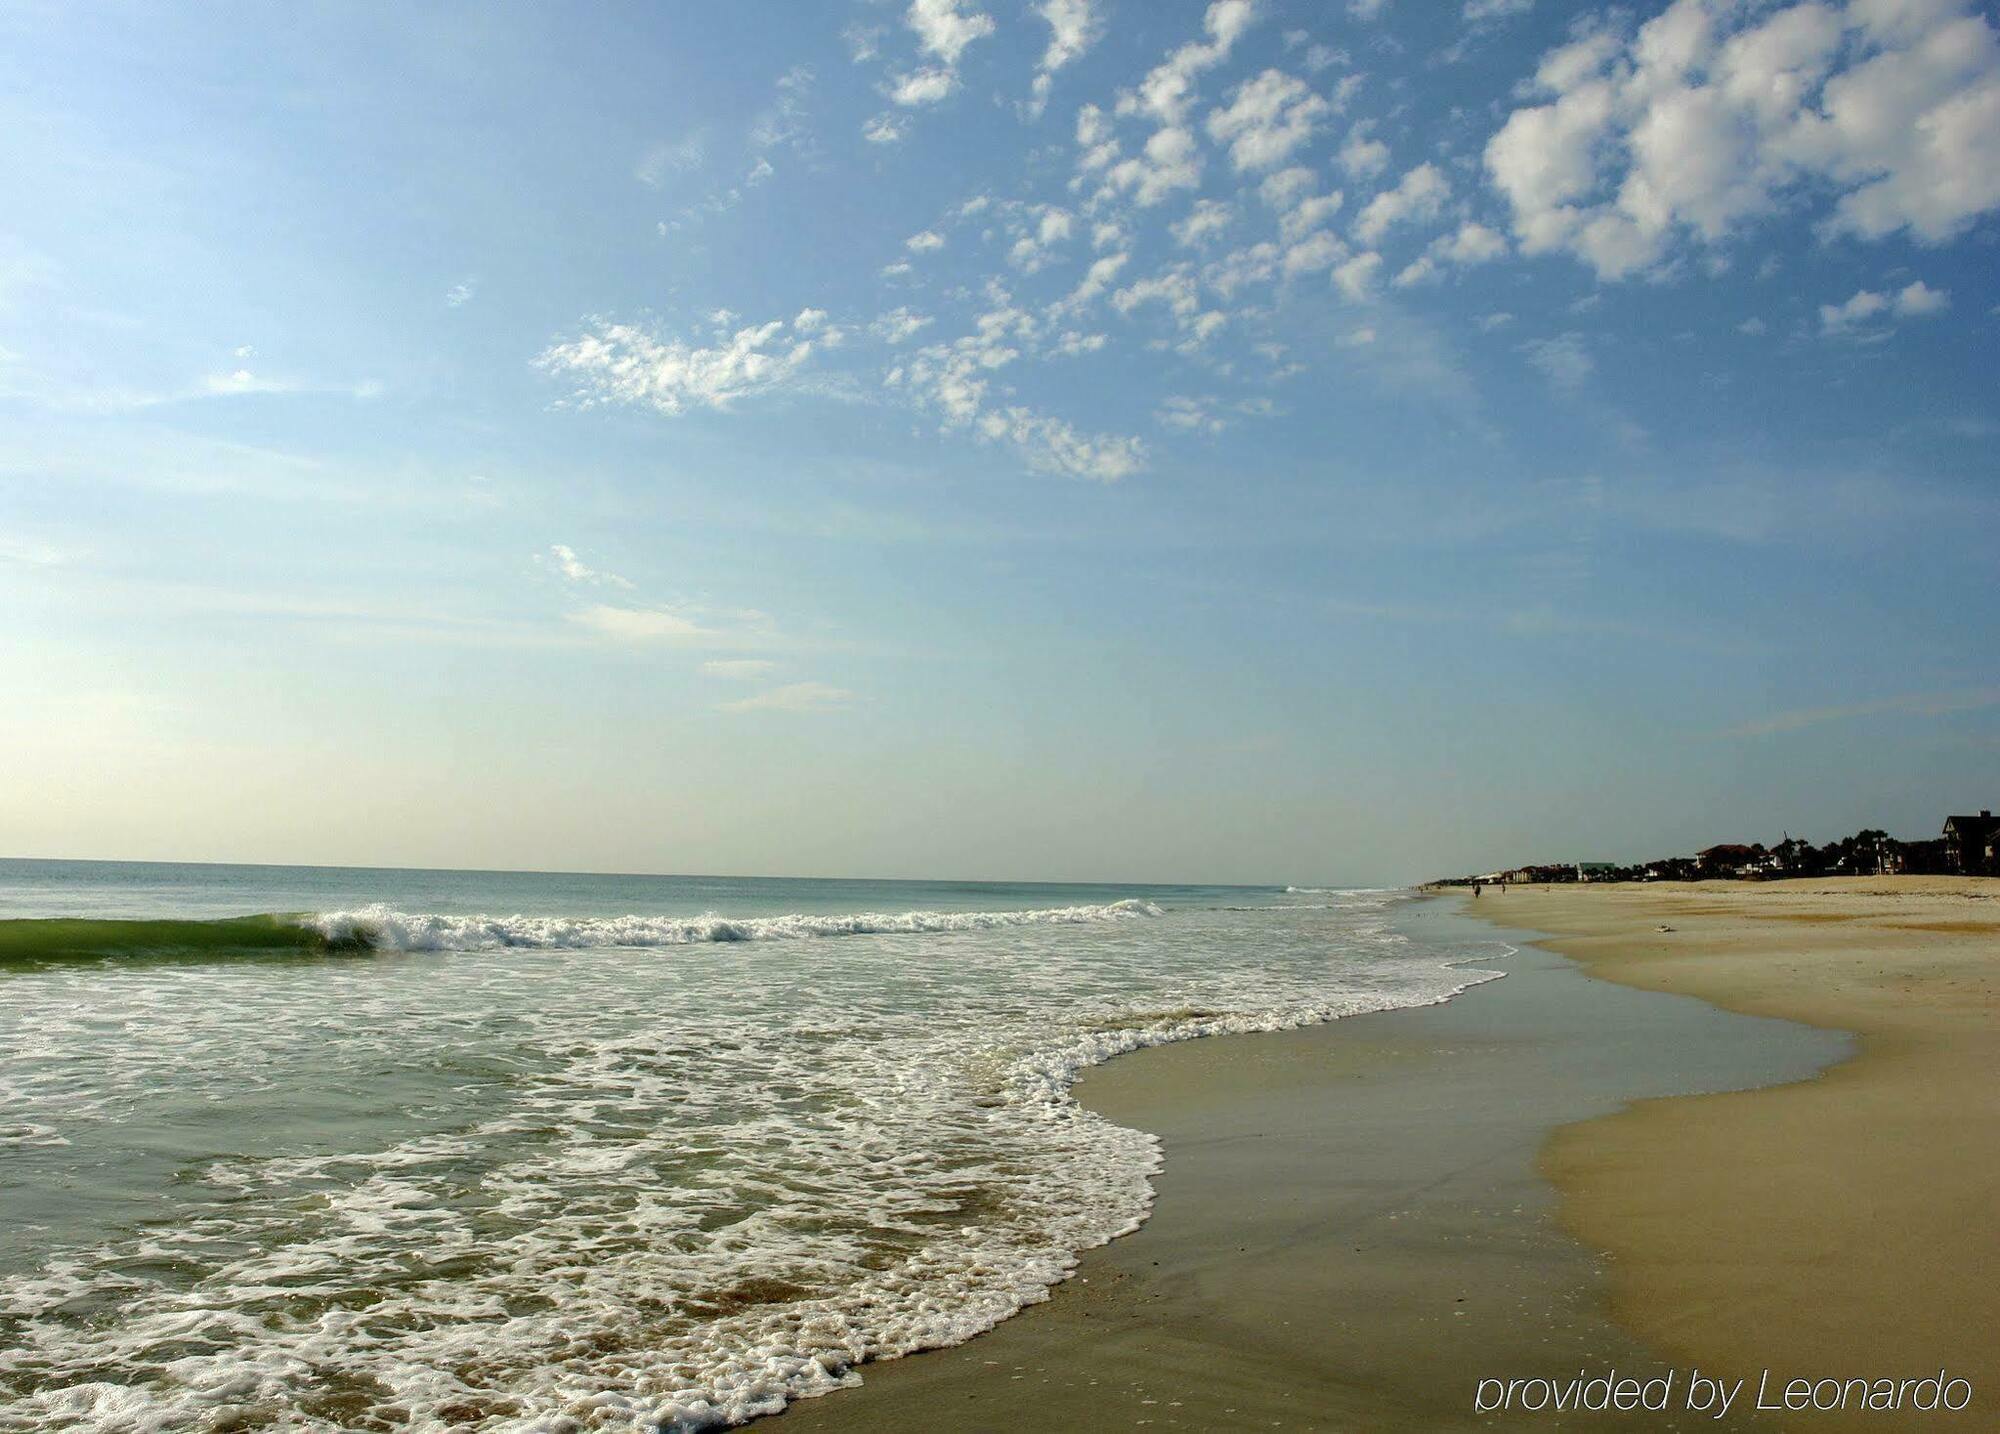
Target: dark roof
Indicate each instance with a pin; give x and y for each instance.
(1980, 825)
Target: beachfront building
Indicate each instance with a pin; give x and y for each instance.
(1972, 845)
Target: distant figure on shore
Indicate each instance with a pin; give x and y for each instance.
(1475, 891)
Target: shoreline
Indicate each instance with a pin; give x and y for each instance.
(1350, 1227)
(1834, 1228)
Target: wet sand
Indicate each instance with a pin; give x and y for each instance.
(1847, 1226)
(1351, 1228)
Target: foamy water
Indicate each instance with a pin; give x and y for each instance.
(556, 1172)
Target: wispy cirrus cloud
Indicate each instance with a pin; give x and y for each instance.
(793, 697)
(1909, 704)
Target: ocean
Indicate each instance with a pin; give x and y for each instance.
(338, 1149)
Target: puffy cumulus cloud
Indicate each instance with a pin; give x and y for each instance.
(1174, 288)
(1417, 198)
(1356, 277)
(1050, 445)
(1097, 279)
(899, 324)
(923, 87)
(1202, 223)
(1715, 113)
(1047, 226)
(927, 241)
(622, 363)
(1312, 253)
(1074, 26)
(944, 30)
(1472, 244)
(1917, 300)
(1168, 88)
(1267, 119)
(1309, 214)
(1170, 159)
(1361, 155)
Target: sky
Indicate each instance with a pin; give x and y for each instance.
(1080, 439)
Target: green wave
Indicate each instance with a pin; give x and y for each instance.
(37, 941)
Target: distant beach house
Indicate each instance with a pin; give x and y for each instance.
(1972, 845)
(1728, 859)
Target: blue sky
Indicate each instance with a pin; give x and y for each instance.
(1071, 439)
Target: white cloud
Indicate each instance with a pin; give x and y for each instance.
(1916, 301)
(737, 669)
(1073, 343)
(1317, 250)
(1073, 29)
(810, 320)
(924, 242)
(564, 560)
(1096, 280)
(1920, 300)
(673, 157)
(923, 87)
(621, 363)
(944, 30)
(1032, 247)
(1168, 88)
(1266, 120)
(1175, 288)
(1563, 359)
(886, 128)
(864, 42)
(899, 324)
(1170, 159)
(1052, 446)
(1190, 415)
(1472, 244)
(640, 624)
(793, 697)
(1711, 117)
(1208, 218)
(1479, 12)
(785, 122)
(1310, 214)
(1361, 156)
(460, 294)
(1356, 278)
(1753, 327)
(1284, 189)
(1489, 322)
(1417, 197)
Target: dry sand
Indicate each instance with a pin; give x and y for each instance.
(1848, 1225)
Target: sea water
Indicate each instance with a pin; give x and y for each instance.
(523, 1152)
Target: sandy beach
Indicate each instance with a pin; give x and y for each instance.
(1837, 1227)
(1771, 1144)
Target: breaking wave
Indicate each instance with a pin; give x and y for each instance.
(388, 930)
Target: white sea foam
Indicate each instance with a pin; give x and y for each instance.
(402, 931)
(609, 1192)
